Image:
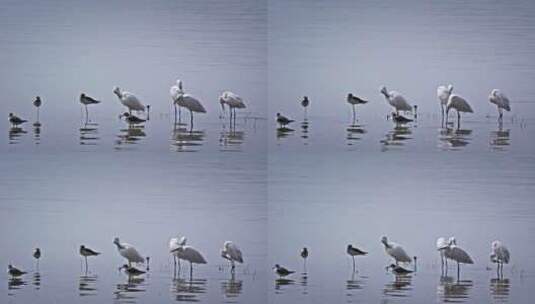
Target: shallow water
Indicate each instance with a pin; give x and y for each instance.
(324, 182)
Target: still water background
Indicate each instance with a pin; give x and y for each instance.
(330, 182)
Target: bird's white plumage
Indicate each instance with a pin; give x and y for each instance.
(191, 103)
(458, 103)
(232, 100)
(396, 251)
(396, 100)
(443, 93)
(174, 244)
(499, 99)
(231, 252)
(129, 100)
(442, 243)
(500, 253)
(457, 254)
(128, 252)
(190, 254)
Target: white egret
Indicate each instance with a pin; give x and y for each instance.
(499, 255)
(174, 243)
(175, 92)
(500, 100)
(354, 101)
(459, 104)
(353, 252)
(86, 100)
(233, 101)
(87, 252)
(396, 100)
(457, 254)
(443, 94)
(129, 100)
(283, 121)
(281, 271)
(395, 251)
(191, 255)
(14, 272)
(37, 256)
(15, 120)
(232, 253)
(189, 102)
(442, 245)
(128, 252)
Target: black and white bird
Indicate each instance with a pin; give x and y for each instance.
(37, 255)
(304, 255)
(281, 271)
(37, 103)
(354, 101)
(132, 119)
(86, 100)
(353, 252)
(398, 118)
(15, 120)
(14, 272)
(283, 121)
(131, 270)
(398, 269)
(305, 103)
(87, 252)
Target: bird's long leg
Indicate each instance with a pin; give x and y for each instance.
(190, 270)
(86, 264)
(458, 271)
(354, 265)
(458, 119)
(191, 120)
(174, 263)
(501, 114)
(86, 114)
(232, 266)
(37, 114)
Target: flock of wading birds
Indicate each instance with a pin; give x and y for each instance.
(448, 249)
(448, 100)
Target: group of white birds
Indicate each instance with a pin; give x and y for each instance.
(447, 99)
(448, 249)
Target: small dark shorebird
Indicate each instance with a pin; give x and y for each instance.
(37, 255)
(398, 269)
(304, 255)
(281, 271)
(87, 252)
(353, 252)
(86, 100)
(37, 103)
(131, 271)
(15, 120)
(132, 119)
(14, 272)
(400, 118)
(283, 121)
(305, 103)
(354, 101)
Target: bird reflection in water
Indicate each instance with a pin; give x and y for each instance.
(89, 133)
(37, 133)
(452, 290)
(188, 290)
(499, 139)
(232, 288)
(184, 140)
(355, 283)
(36, 280)
(397, 136)
(14, 284)
(281, 283)
(231, 139)
(355, 133)
(87, 285)
(454, 139)
(284, 132)
(304, 130)
(130, 135)
(400, 287)
(499, 289)
(128, 292)
(15, 134)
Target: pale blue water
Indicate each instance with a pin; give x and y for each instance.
(329, 182)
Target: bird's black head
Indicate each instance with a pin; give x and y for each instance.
(10, 114)
(82, 95)
(349, 95)
(349, 246)
(82, 247)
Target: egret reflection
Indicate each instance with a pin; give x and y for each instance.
(231, 139)
(232, 288)
(184, 140)
(130, 135)
(399, 287)
(500, 289)
(499, 139)
(454, 139)
(128, 292)
(453, 290)
(188, 290)
(397, 136)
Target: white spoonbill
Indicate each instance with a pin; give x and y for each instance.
(175, 92)
(499, 255)
(457, 254)
(86, 100)
(396, 100)
(459, 104)
(129, 100)
(174, 243)
(128, 252)
(442, 246)
(233, 101)
(500, 100)
(189, 102)
(443, 94)
(395, 251)
(232, 253)
(191, 255)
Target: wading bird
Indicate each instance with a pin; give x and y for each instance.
(232, 253)
(15, 120)
(281, 271)
(460, 105)
(14, 272)
(395, 251)
(129, 100)
(37, 103)
(174, 243)
(131, 271)
(233, 101)
(37, 256)
(304, 255)
(87, 252)
(305, 103)
(188, 101)
(86, 100)
(443, 94)
(354, 101)
(500, 100)
(353, 252)
(396, 100)
(128, 252)
(499, 255)
(457, 254)
(191, 255)
(132, 119)
(283, 121)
